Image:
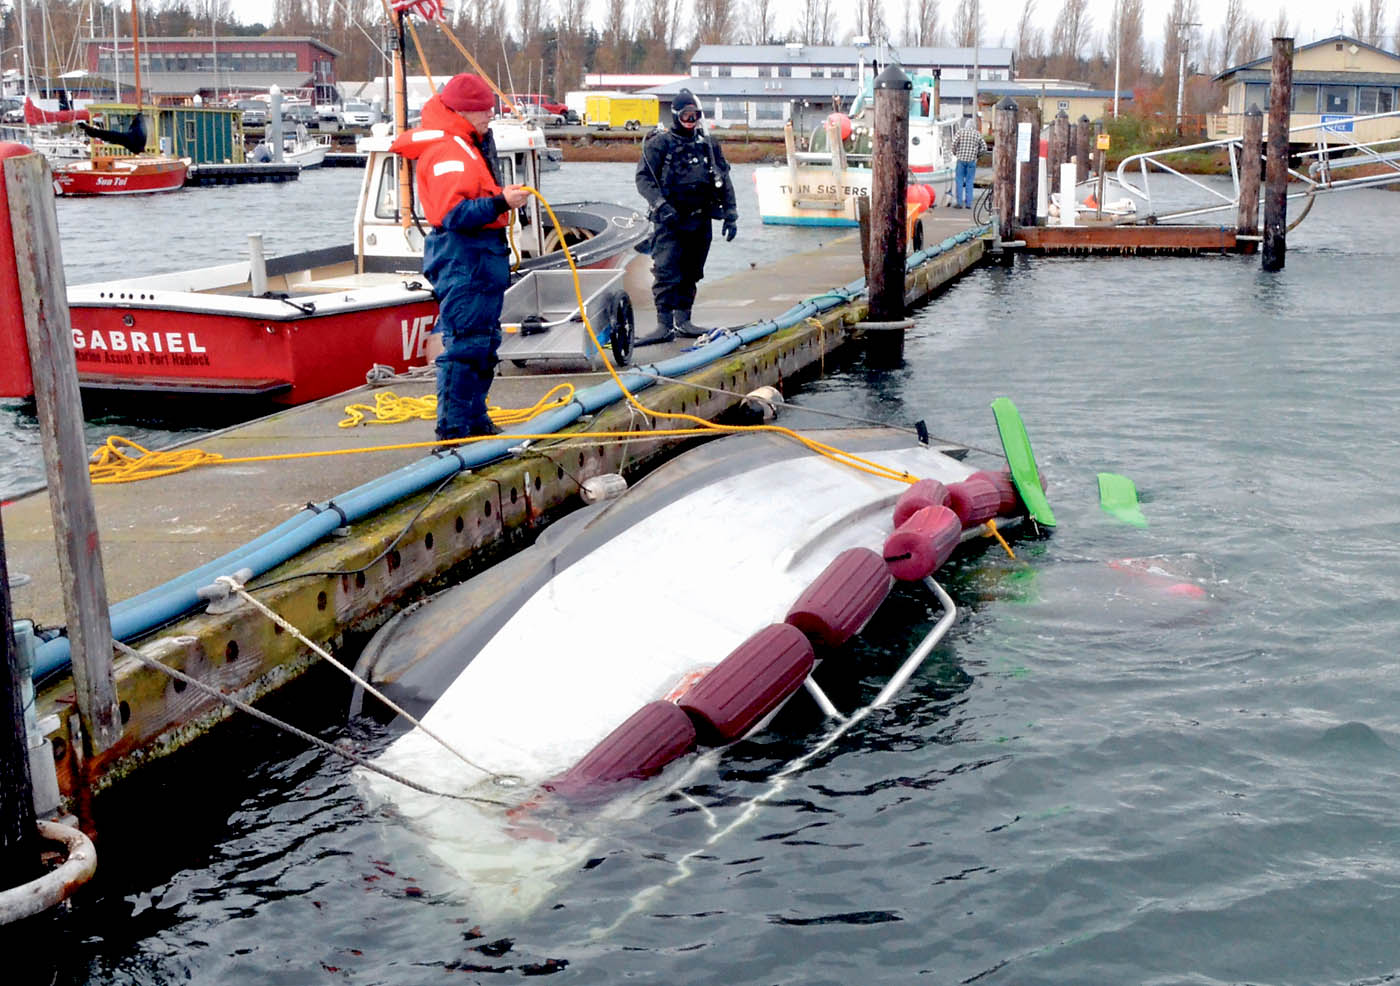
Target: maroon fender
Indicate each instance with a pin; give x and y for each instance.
(974, 500)
(924, 493)
(750, 683)
(923, 543)
(843, 597)
(1010, 505)
(652, 737)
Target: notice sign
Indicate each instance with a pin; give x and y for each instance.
(1343, 127)
(1103, 142)
(1023, 142)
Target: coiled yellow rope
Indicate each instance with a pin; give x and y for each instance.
(391, 409)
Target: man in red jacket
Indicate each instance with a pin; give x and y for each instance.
(465, 256)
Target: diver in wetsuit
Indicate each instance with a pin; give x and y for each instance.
(685, 179)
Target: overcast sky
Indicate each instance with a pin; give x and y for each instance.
(1312, 19)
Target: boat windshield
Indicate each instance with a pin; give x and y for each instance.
(857, 145)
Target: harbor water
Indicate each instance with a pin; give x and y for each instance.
(1160, 755)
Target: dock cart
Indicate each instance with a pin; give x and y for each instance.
(541, 319)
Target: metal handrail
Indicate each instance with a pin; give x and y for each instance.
(1317, 178)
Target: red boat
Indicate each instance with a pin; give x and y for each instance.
(134, 175)
(298, 328)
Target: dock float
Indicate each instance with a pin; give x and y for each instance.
(154, 531)
(240, 174)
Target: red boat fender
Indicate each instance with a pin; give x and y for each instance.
(750, 683)
(843, 597)
(924, 493)
(652, 737)
(1010, 504)
(923, 543)
(974, 500)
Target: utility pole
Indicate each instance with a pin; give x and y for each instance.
(976, 61)
(1183, 40)
(1117, 51)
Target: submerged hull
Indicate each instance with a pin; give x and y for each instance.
(518, 671)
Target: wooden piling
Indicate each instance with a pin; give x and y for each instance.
(1082, 132)
(1276, 163)
(1251, 151)
(1029, 116)
(888, 194)
(1004, 168)
(19, 836)
(44, 299)
(1058, 151)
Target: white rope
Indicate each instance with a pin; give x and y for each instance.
(301, 734)
(321, 652)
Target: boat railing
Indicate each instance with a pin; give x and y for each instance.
(1335, 148)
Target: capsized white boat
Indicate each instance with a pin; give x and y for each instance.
(528, 672)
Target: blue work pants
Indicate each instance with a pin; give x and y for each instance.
(962, 183)
(470, 291)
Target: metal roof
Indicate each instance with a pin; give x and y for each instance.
(787, 89)
(914, 57)
(1338, 78)
(231, 40)
(1268, 59)
(175, 83)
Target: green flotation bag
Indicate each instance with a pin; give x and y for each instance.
(1021, 460)
(1118, 498)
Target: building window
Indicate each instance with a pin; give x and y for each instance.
(838, 73)
(1385, 101)
(785, 71)
(768, 109)
(1304, 99)
(702, 71)
(189, 132)
(1336, 99)
(1366, 99)
(725, 71)
(763, 71)
(817, 73)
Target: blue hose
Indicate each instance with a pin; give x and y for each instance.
(160, 605)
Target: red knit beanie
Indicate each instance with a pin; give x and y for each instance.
(467, 92)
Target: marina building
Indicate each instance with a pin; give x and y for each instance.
(1333, 78)
(764, 86)
(178, 69)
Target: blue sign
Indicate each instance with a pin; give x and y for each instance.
(1337, 128)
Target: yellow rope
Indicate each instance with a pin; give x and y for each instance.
(391, 409)
(992, 532)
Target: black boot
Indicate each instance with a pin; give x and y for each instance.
(665, 330)
(685, 327)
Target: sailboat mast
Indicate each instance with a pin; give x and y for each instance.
(401, 122)
(136, 53)
(24, 45)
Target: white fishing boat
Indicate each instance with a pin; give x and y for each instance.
(570, 718)
(821, 183)
(306, 150)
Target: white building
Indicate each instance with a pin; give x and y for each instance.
(764, 86)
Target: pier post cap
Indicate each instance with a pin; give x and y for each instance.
(1254, 110)
(1083, 117)
(893, 77)
(1008, 104)
(1062, 115)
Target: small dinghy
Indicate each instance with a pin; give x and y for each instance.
(675, 618)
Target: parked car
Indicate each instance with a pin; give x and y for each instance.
(254, 112)
(301, 113)
(357, 114)
(542, 116)
(12, 110)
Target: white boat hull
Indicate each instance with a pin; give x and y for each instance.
(600, 635)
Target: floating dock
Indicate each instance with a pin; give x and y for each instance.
(241, 174)
(156, 530)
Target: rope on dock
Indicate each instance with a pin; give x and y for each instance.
(391, 409)
(300, 734)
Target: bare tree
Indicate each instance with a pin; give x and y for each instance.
(818, 25)
(1252, 43)
(1070, 34)
(870, 18)
(759, 22)
(1367, 20)
(1129, 39)
(714, 21)
(1230, 32)
(1025, 28)
(920, 22)
(1282, 27)
(966, 24)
